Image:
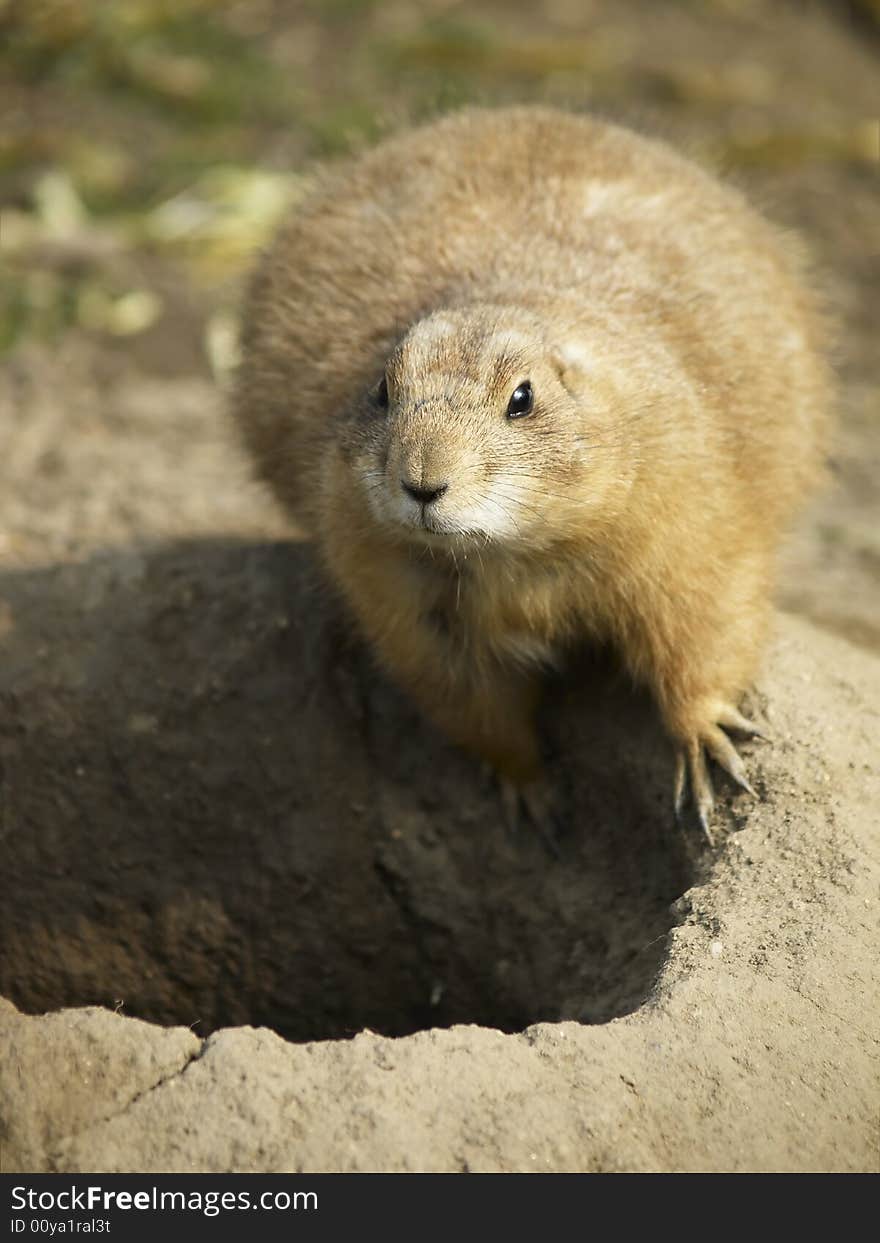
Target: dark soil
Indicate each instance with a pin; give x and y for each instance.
(217, 813)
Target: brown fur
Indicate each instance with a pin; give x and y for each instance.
(680, 413)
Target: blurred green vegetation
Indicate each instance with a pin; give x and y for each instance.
(130, 129)
(180, 55)
(152, 144)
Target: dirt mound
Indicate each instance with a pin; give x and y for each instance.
(310, 884)
(238, 821)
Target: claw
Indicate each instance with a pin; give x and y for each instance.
(704, 825)
(531, 803)
(691, 769)
(725, 754)
(679, 787)
(731, 719)
(701, 786)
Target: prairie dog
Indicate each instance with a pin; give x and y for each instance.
(530, 379)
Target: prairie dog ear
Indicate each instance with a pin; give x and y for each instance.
(572, 362)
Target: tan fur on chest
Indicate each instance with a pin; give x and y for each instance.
(521, 613)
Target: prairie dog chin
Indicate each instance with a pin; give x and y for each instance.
(529, 379)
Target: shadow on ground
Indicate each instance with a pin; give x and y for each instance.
(215, 812)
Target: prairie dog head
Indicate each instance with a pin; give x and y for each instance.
(482, 428)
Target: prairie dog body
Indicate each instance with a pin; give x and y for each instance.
(530, 379)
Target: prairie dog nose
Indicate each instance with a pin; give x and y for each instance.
(424, 495)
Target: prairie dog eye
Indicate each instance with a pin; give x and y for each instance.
(522, 401)
(381, 394)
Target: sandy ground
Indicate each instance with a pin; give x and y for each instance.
(214, 812)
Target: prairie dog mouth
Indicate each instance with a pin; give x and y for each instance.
(430, 527)
(421, 510)
(483, 520)
(451, 515)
